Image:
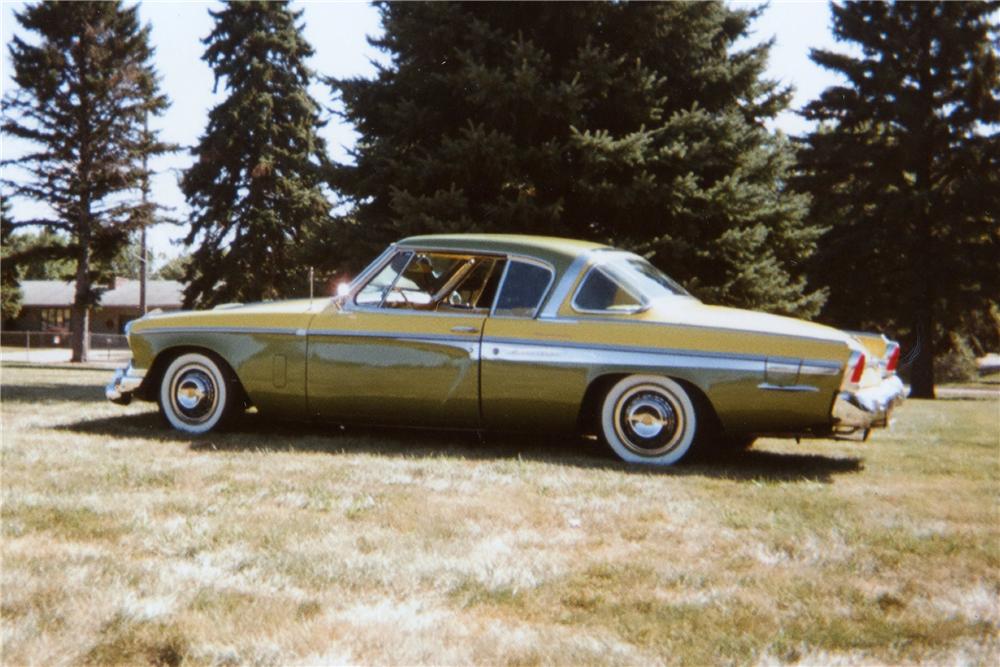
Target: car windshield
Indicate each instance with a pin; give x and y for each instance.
(641, 278)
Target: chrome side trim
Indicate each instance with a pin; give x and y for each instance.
(468, 342)
(815, 368)
(698, 327)
(226, 330)
(396, 335)
(562, 289)
(590, 354)
(766, 386)
(646, 350)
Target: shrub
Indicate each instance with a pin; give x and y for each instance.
(958, 363)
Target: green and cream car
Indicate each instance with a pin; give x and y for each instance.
(517, 333)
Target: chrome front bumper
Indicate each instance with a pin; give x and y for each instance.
(868, 408)
(125, 382)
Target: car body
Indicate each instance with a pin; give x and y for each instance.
(516, 333)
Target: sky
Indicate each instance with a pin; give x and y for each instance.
(338, 32)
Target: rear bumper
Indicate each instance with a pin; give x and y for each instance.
(868, 408)
(124, 384)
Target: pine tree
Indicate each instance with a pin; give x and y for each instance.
(84, 86)
(905, 170)
(637, 124)
(10, 290)
(256, 185)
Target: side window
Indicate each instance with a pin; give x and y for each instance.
(433, 281)
(476, 289)
(600, 292)
(424, 281)
(523, 289)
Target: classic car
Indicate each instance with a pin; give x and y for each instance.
(517, 333)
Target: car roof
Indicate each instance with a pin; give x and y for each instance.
(558, 251)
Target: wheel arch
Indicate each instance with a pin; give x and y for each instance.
(151, 383)
(589, 418)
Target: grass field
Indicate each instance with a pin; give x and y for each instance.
(278, 544)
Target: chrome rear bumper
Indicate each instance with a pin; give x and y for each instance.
(125, 382)
(868, 408)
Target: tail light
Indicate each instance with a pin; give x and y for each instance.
(859, 369)
(893, 359)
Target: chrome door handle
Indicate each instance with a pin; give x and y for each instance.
(461, 329)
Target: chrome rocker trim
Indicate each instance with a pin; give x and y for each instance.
(867, 408)
(125, 382)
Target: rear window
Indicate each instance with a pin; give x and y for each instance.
(601, 292)
(522, 290)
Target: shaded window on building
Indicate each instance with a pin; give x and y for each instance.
(55, 318)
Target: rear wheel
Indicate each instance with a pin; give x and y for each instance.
(195, 394)
(649, 419)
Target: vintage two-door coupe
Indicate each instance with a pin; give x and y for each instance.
(516, 333)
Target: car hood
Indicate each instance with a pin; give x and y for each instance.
(292, 313)
(691, 312)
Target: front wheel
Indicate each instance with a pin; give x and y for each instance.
(649, 419)
(195, 395)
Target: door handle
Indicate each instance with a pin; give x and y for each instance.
(464, 329)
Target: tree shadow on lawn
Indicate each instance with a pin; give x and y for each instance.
(257, 433)
(51, 392)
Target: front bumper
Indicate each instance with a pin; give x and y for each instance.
(868, 408)
(126, 381)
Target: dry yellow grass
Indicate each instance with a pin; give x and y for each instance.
(124, 543)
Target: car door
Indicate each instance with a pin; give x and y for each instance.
(530, 379)
(404, 347)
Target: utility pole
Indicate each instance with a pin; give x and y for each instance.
(145, 217)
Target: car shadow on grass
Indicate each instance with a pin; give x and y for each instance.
(257, 433)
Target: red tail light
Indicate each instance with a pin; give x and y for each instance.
(859, 369)
(893, 360)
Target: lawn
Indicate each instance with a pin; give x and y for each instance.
(282, 544)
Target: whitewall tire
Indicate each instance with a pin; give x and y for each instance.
(649, 419)
(195, 395)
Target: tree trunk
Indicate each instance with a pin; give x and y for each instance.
(80, 324)
(922, 376)
(80, 317)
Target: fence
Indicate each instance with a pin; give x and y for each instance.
(44, 345)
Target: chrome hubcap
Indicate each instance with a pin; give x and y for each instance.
(194, 395)
(648, 415)
(649, 422)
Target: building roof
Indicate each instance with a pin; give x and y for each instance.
(125, 294)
